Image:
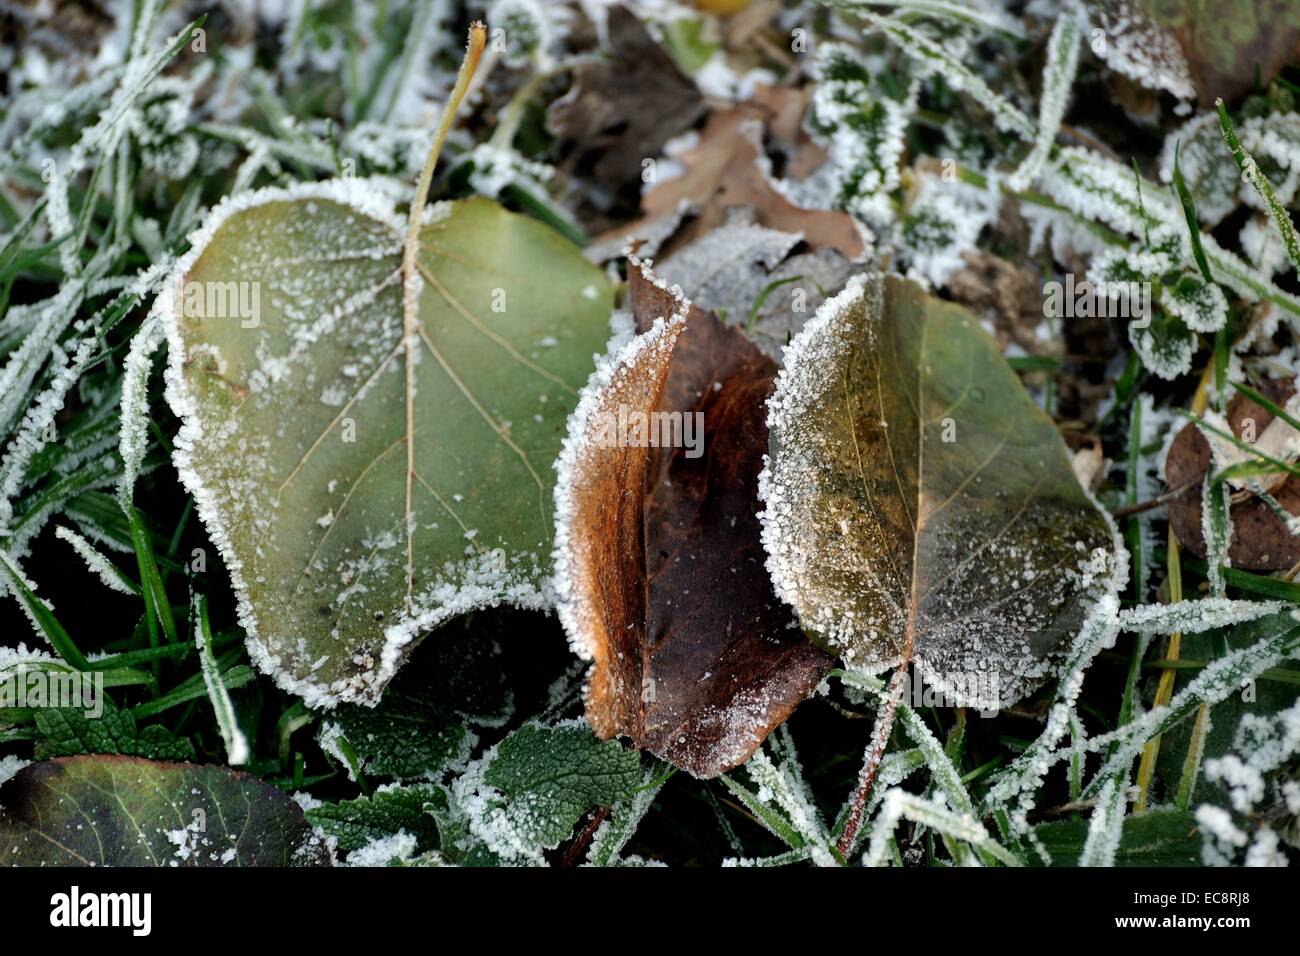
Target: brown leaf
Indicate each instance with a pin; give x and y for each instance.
(1260, 539)
(662, 567)
(622, 110)
(723, 172)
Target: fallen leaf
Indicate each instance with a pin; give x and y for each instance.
(125, 811)
(621, 110)
(721, 172)
(921, 507)
(295, 421)
(660, 566)
(763, 280)
(1260, 538)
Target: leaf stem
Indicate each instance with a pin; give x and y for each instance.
(410, 256)
(875, 752)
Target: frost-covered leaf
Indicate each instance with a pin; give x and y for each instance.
(301, 448)
(1133, 42)
(920, 506)
(69, 731)
(405, 737)
(526, 794)
(388, 811)
(124, 811)
(660, 566)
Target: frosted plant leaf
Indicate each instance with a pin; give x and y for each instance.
(1205, 162)
(286, 355)
(944, 221)
(729, 267)
(1141, 49)
(931, 57)
(125, 811)
(899, 805)
(985, 17)
(1058, 78)
(920, 507)
(526, 794)
(237, 750)
(1105, 827)
(1251, 173)
(612, 836)
(756, 278)
(134, 439)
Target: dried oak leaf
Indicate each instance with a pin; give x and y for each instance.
(1260, 539)
(659, 559)
(621, 110)
(723, 171)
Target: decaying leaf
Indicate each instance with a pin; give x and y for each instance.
(723, 171)
(125, 811)
(303, 452)
(1260, 540)
(659, 562)
(763, 280)
(920, 507)
(621, 110)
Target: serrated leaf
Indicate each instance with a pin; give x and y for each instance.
(528, 793)
(354, 823)
(124, 811)
(297, 432)
(67, 731)
(920, 506)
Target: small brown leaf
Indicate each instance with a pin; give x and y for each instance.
(1260, 539)
(622, 110)
(661, 565)
(722, 173)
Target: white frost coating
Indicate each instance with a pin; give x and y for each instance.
(898, 804)
(383, 851)
(1193, 617)
(134, 431)
(1058, 78)
(484, 576)
(802, 555)
(237, 750)
(1138, 48)
(1106, 826)
(930, 57)
(100, 565)
(576, 608)
(780, 785)
(10, 764)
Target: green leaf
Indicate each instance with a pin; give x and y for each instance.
(405, 737)
(920, 506)
(68, 731)
(353, 521)
(124, 811)
(529, 792)
(354, 823)
(1156, 838)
